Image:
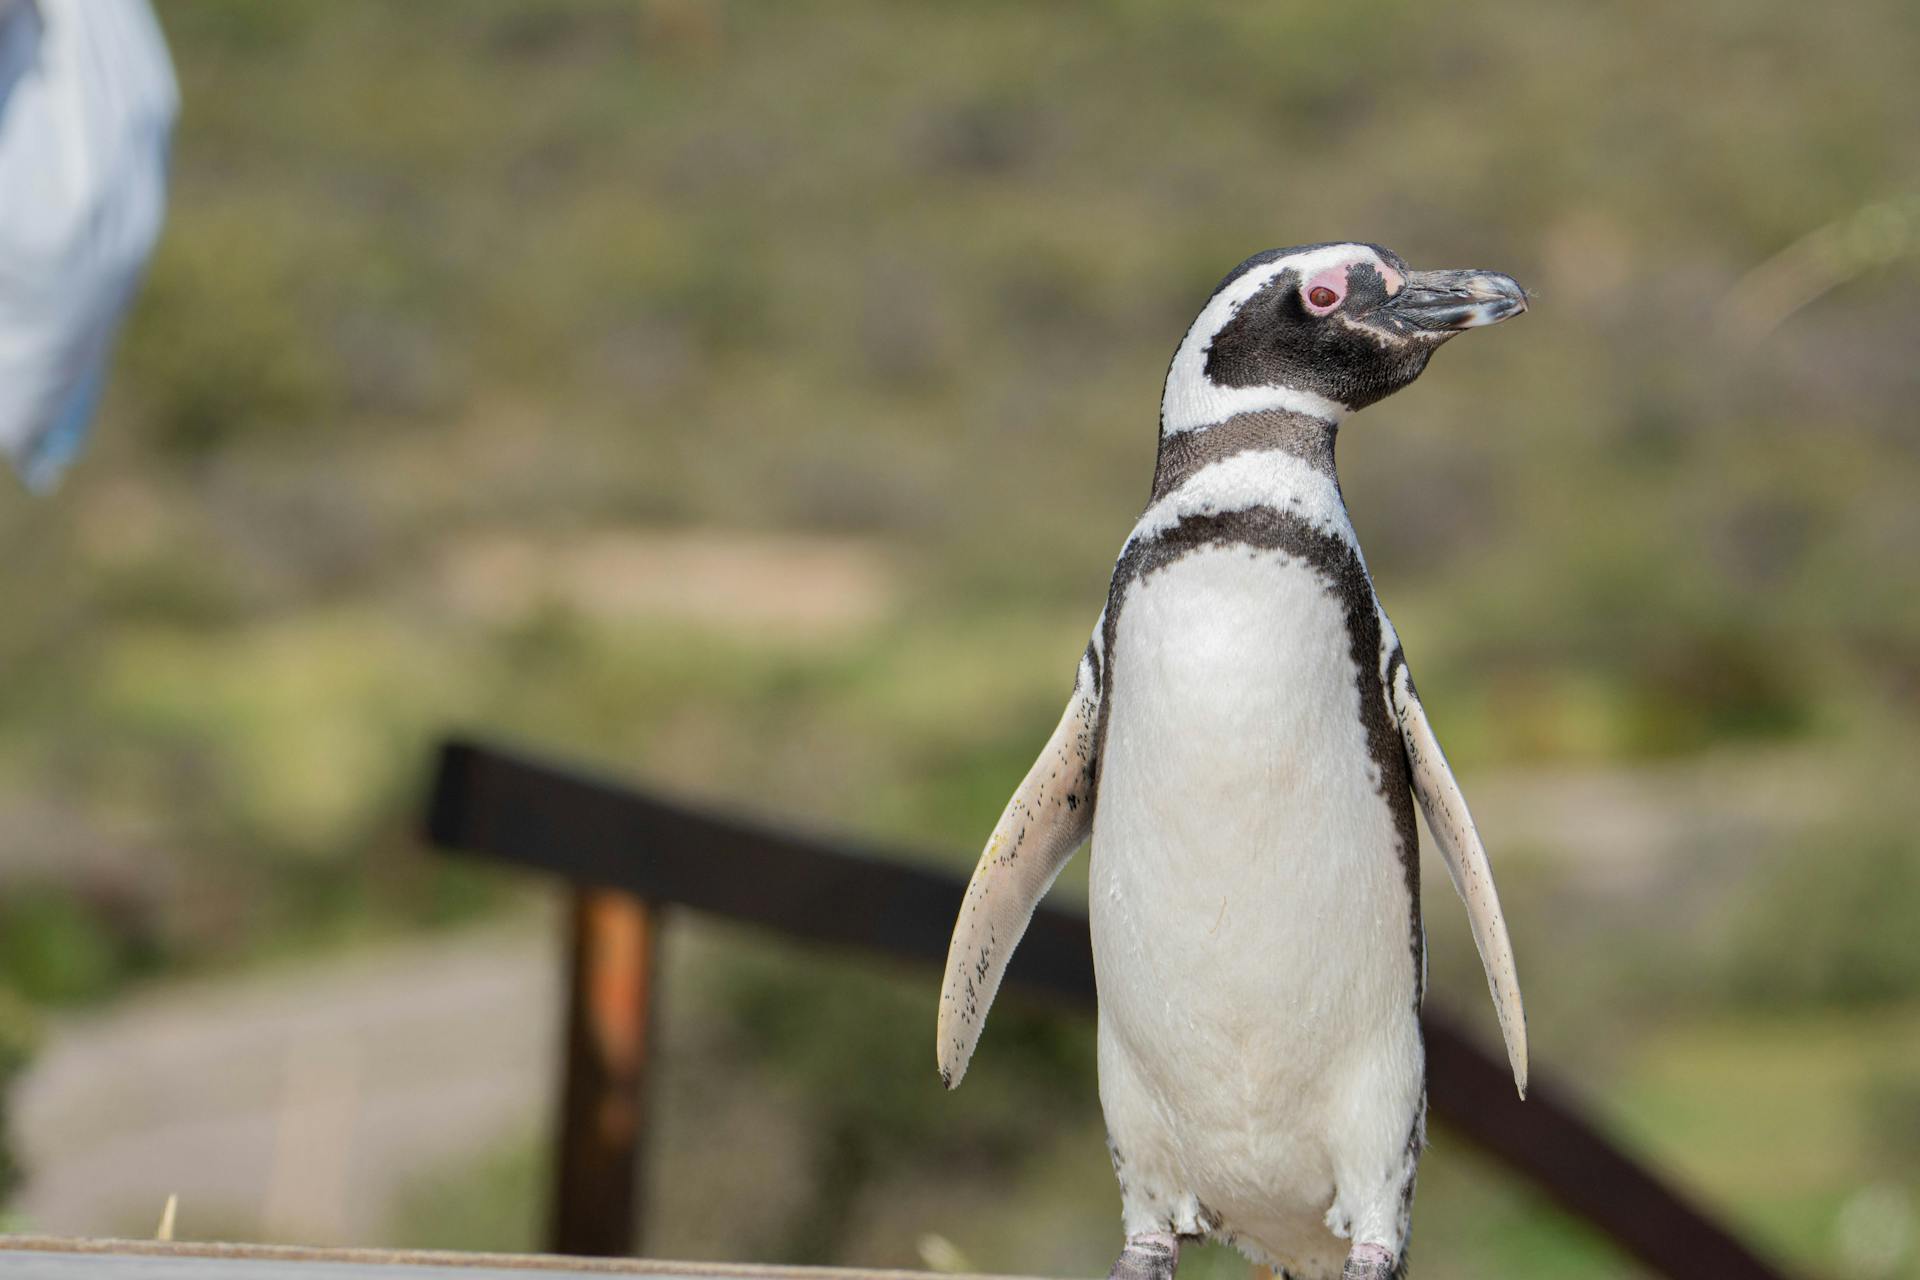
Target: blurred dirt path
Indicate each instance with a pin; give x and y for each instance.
(1629, 829)
(292, 1104)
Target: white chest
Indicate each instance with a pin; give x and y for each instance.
(1249, 904)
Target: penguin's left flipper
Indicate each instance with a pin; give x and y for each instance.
(1452, 826)
(1048, 817)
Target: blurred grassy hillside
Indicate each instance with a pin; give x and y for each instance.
(753, 397)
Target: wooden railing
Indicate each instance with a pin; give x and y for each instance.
(628, 856)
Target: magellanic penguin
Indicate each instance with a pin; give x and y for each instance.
(1245, 746)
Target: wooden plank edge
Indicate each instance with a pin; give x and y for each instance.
(530, 1262)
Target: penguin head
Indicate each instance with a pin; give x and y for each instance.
(1322, 330)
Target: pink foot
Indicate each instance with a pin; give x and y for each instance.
(1369, 1262)
(1149, 1256)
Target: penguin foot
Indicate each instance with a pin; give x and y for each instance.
(1150, 1256)
(1370, 1262)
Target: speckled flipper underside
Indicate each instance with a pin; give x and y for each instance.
(1466, 857)
(1048, 818)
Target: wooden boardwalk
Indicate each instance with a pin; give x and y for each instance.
(47, 1258)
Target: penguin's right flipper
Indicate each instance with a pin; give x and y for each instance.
(1048, 818)
(1466, 858)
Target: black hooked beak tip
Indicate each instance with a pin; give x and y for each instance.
(1448, 301)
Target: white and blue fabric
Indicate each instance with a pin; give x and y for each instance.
(87, 104)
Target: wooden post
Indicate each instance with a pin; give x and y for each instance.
(597, 1190)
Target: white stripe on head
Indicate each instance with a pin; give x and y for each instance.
(1192, 400)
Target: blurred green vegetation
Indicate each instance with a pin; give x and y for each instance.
(752, 397)
(19, 1032)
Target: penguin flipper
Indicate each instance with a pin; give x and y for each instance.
(1049, 816)
(1466, 857)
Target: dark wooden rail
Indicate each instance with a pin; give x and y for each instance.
(627, 854)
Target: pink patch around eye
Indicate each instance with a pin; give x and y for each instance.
(1331, 281)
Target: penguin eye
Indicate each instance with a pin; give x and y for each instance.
(1321, 296)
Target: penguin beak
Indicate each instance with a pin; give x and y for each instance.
(1442, 302)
